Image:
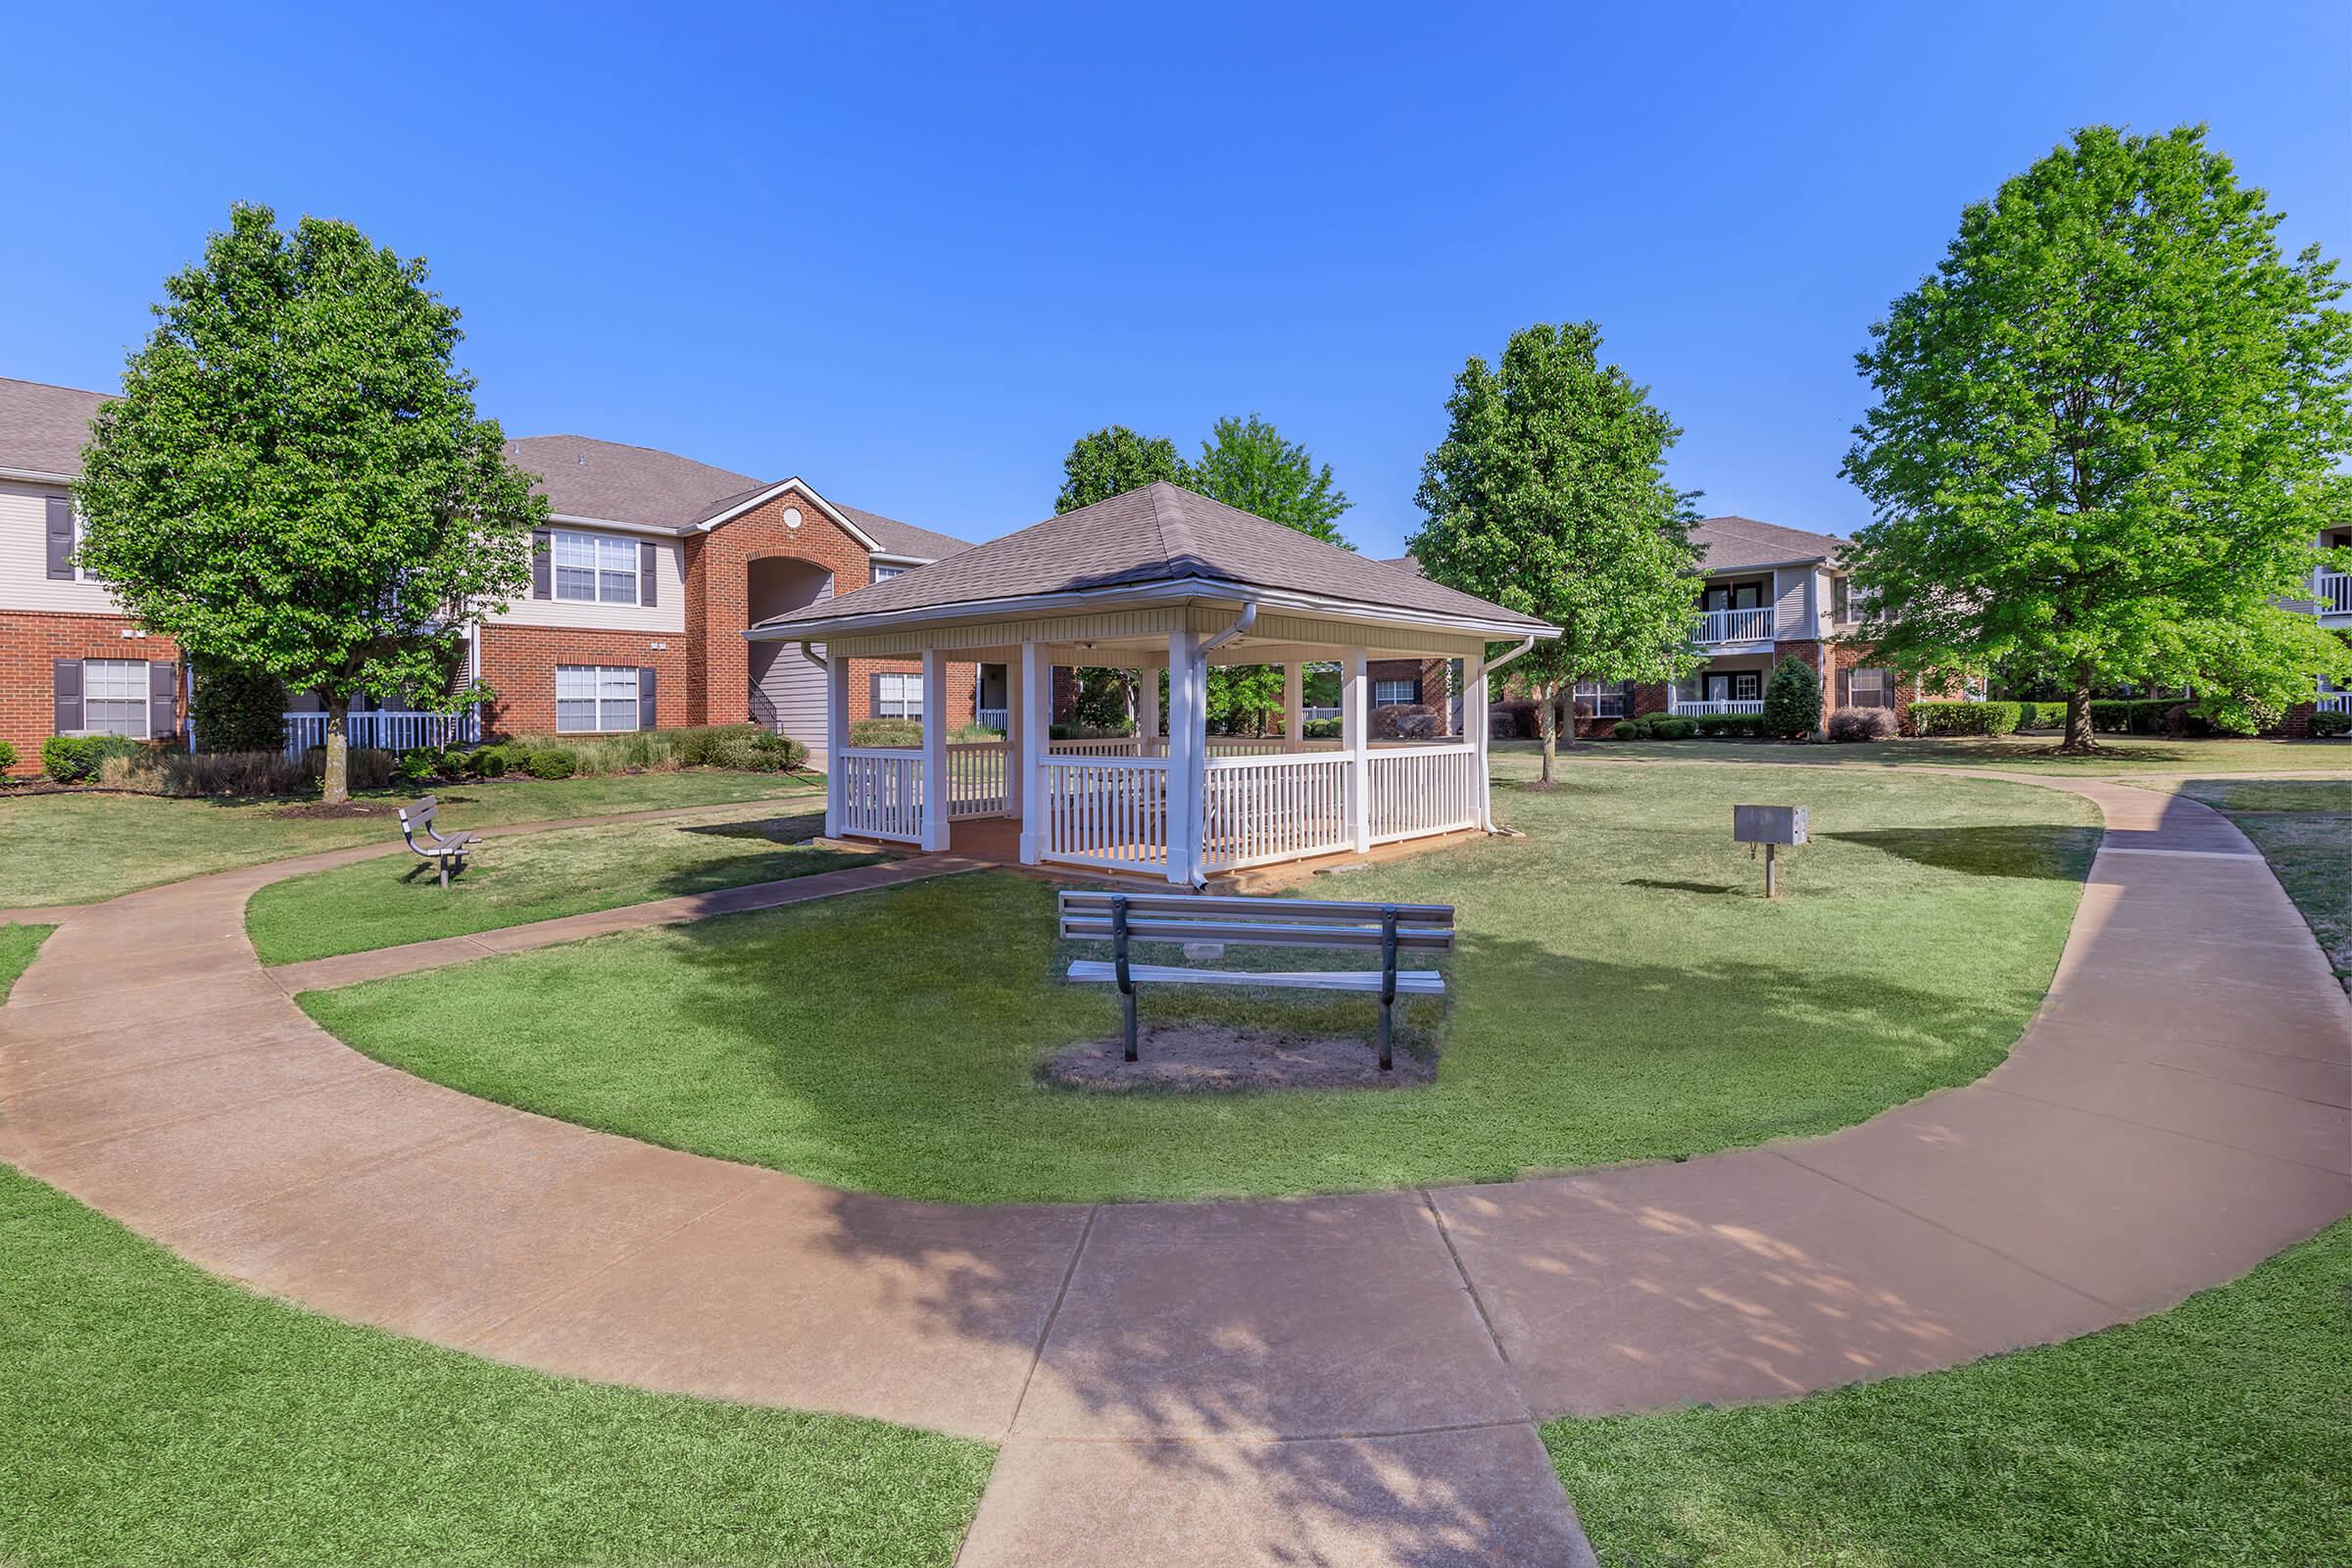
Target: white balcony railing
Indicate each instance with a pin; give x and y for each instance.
(2333, 591)
(1715, 708)
(998, 719)
(2336, 701)
(385, 729)
(1735, 625)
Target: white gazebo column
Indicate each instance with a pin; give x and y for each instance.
(1188, 748)
(1294, 707)
(935, 749)
(1031, 735)
(837, 745)
(1478, 721)
(1147, 711)
(1355, 691)
(1014, 723)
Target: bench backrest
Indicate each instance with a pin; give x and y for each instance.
(1257, 922)
(420, 815)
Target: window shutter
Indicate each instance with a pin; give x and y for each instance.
(543, 563)
(67, 680)
(1846, 687)
(645, 692)
(648, 557)
(163, 698)
(61, 538)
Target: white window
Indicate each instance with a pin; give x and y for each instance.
(1388, 692)
(884, 573)
(592, 698)
(1747, 685)
(898, 696)
(1606, 702)
(596, 567)
(114, 694)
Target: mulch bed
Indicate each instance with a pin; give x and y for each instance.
(1212, 1058)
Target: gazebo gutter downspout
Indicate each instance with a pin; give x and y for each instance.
(1248, 619)
(1485, 781)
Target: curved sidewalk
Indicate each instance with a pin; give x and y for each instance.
(1349, 1378)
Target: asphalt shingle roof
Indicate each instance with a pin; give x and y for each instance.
(1732, 543)
(43, 429)
(1158, 534)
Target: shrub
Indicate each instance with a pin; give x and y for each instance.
(369, 769)
(899, 733)
(554, 761)
(2134, 716)
(1407, 721)
(2328, 724)
(237, 709)
(1513, 719)
(1792, 699)
(1673, 727)
(1630, 729)
(1848, 725)
(7, 757)
(1713, 726)
(1328, 729)
(1966, 719)
(2041, 715)
(203, 774)
(76, 759)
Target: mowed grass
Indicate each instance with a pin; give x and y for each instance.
(2216, 1434)
(157, 1415)
(1622, 992)
(76, 849)
(18, 944)
(2037, 754)
(384, 902)
(2304, 830)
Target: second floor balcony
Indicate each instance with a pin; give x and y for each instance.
(2333, 592)
(1733, 627)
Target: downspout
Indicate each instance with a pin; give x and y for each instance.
(1248, 621)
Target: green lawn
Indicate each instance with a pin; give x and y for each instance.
(381, 904)
(2216, 1434)
(73, 849)
(2119, 754)
(2304, 830)
(18, 944)
(1623, 992)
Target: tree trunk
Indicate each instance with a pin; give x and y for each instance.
(2078, 736)
(1547, 725)
(337, 788)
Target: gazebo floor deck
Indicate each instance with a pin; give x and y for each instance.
(997, 841)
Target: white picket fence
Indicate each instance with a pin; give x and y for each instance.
(385, 729)
(882, 794)
(976, 771)
(1256, 810)
(1108, 811)
(1423, 789)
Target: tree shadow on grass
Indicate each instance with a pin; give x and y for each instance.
(2023, 850)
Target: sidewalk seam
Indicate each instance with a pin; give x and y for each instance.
(1044, 1332)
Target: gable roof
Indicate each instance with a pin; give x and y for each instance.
(1732, 543)
(43, 429)
(1157, 534)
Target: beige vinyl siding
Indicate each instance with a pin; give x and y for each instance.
(1795, 597)
(24, 580)
(667, 614)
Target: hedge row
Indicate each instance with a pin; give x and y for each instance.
(1685, 727)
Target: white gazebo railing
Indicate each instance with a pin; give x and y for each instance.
(385, 729)
(1422, 790)
(1735, 625)
(1260, 808)
(976, 778)
(881, 794)
(1108, 811)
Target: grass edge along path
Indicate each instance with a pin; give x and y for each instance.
(2216, 1433)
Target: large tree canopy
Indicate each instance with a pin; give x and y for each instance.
(2108, 432)
(1246, 462)
(1549, 495)
(1112, 461)
(295, 481)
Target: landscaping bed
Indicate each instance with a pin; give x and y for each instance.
(1622, 992)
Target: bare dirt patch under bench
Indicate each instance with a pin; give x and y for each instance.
(1213, 1059)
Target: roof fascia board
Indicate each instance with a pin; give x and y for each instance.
(39, 476)
(764, 497)
(656, 530)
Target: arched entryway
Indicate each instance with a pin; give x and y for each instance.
(788, 691)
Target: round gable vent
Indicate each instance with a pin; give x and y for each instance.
(791, 517)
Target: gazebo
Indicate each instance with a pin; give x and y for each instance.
(1157, 579)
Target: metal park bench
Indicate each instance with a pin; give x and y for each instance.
(446, 852)
(1388, 929)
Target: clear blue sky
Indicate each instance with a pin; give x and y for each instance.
(910, 256)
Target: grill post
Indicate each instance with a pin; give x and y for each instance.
(1388, 982)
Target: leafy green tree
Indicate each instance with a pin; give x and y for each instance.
(1792, 699)
(1548, 495)
(233, 710)
(1112, 461)
(2107, 433)
(1247, 464)
(295, 481)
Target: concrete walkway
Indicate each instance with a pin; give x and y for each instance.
(1334, 1380)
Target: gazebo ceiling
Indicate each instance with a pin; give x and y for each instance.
(1157, 546)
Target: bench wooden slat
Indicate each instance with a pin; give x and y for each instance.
(1092, 928)
(1075, 902)
(1409, 982)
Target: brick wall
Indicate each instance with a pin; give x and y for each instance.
(519, 664)
(30, 644)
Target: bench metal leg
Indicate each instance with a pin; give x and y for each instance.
(1118, 959)
(1127, 1012)
(1388, 984)
(1387, 1011)
(445, 870)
